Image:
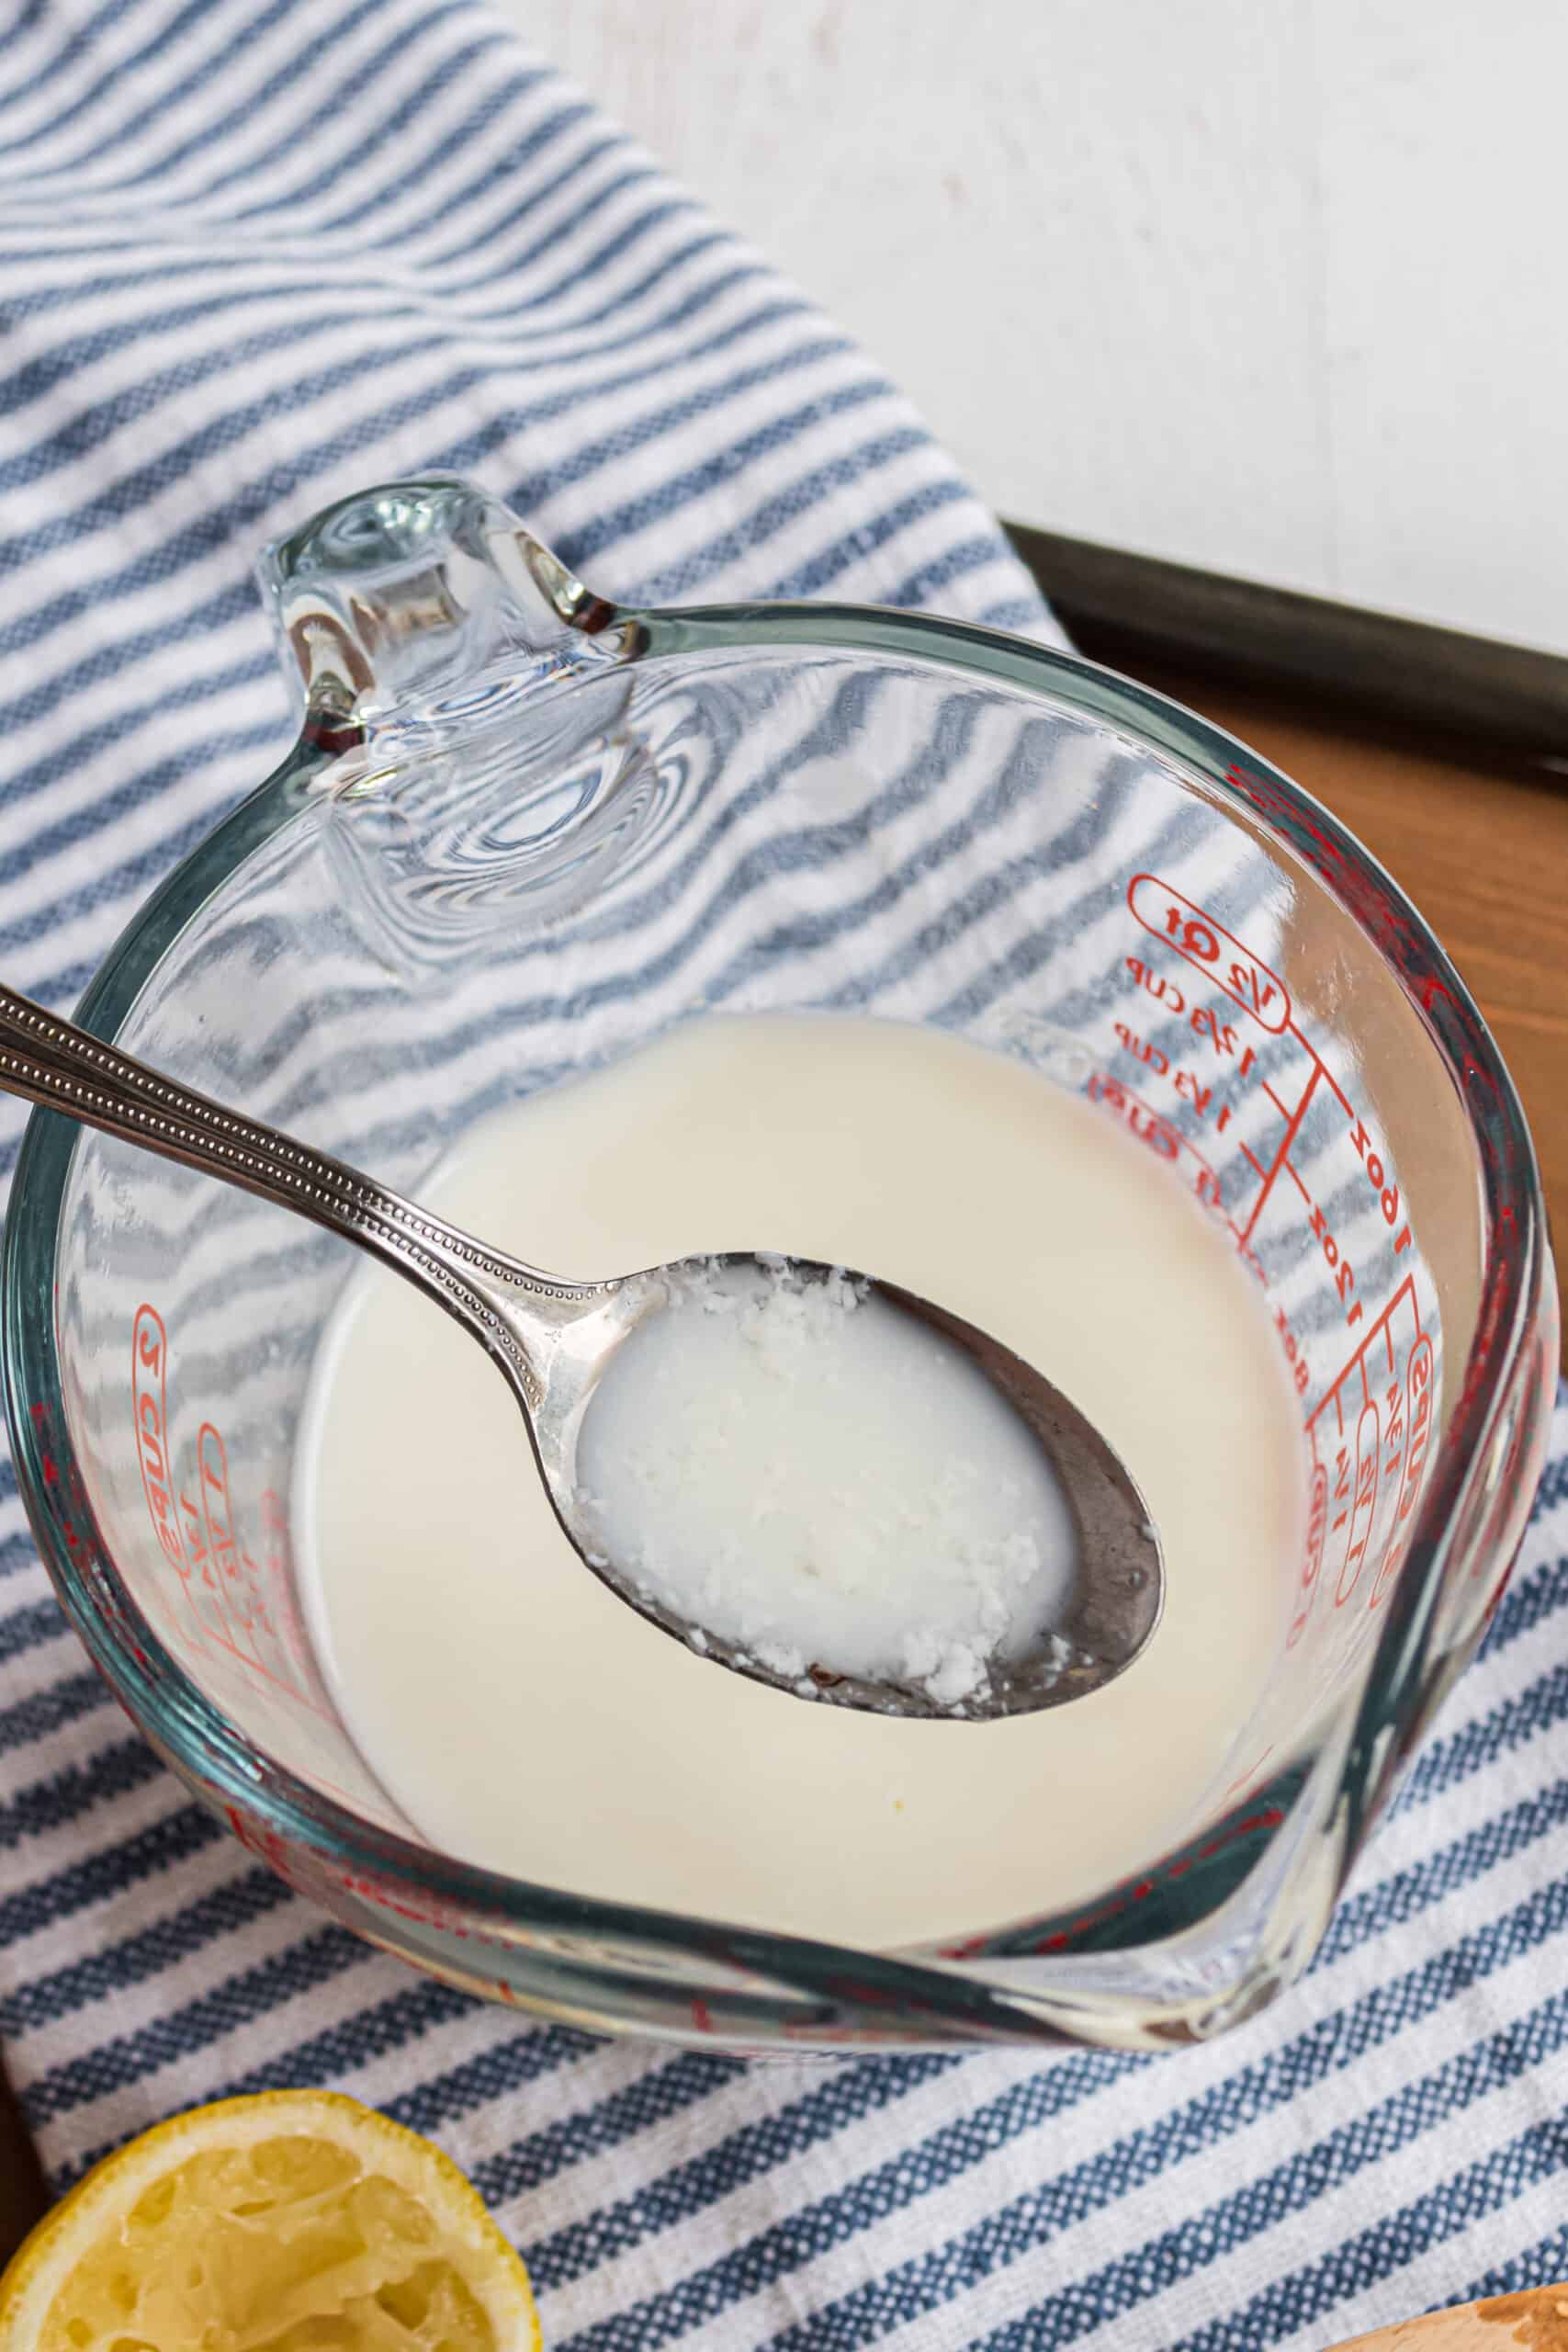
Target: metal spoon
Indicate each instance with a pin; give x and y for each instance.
(552, 1339)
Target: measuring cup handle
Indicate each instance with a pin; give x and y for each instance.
(399, 596)
(61, 1068)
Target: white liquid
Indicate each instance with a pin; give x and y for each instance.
(800, 1467)
(525, 1719)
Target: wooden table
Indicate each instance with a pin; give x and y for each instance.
(1481, 845)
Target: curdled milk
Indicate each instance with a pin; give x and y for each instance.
(524, 1718)
(818, 1477)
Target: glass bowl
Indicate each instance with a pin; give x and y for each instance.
(522, 831)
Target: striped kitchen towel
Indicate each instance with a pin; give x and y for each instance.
(255, 254)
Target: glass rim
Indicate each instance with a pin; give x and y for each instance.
(198, 1739)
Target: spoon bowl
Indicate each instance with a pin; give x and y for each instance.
(552, 1340)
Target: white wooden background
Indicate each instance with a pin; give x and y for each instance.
(1277, 286)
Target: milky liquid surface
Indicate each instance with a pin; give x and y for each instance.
(524, 1718)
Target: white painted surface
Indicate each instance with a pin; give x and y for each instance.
(1277, 289)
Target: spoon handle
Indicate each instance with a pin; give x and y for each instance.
(53, 1063)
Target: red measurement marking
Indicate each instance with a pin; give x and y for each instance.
(1305, 1042)
(1317, 1528)
(1281, 1156)
(1159, 985)
(1295, 1354)
(405, 1902)
(1220, 1035)
(1312, 1557)
(1339, 1265)
(278, 1559)
(1418, 1415)
(1152, 1057)
(265, 1843)
(1145, 1121)
(148, 1393)
(1150, 1127)
(1388, 1568)
(1367, 1457)
(1370, 1479)
(1194, 1091)
(1355, 1362)
(230, 1597)
(206, 1589)
(1245, 977)
(212, 1463)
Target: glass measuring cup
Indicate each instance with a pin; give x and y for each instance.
(521, 833)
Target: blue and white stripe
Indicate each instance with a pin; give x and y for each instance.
(252, 256)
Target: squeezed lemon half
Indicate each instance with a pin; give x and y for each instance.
(295, 2221)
